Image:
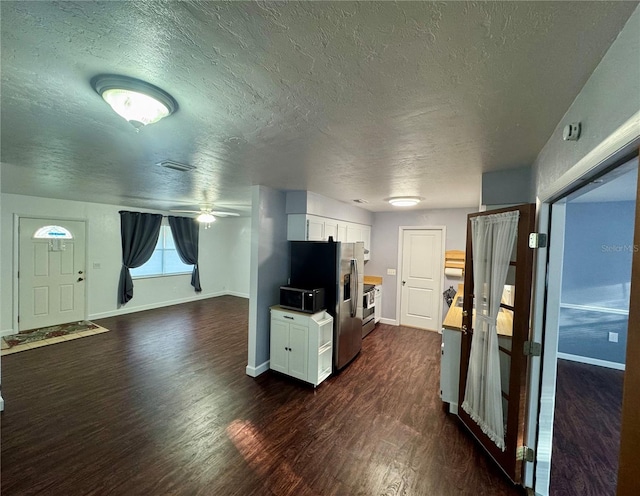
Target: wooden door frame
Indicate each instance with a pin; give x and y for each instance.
(628, 481)
(16, 260)
(401, 231)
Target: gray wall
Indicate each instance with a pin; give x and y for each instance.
(508, 187)
(384, 246)
(598, 249)
(609, 98)
(269, 269)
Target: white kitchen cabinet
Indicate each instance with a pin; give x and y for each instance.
(360, 232)
(301, 344)
(366, 238)
(450, 367)
(377, 310)
(331, 229)
(342, 231)
(354, 232)
(304, 227)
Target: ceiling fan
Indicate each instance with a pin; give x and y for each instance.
(207, 215)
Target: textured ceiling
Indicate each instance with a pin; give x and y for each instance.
(349, 100)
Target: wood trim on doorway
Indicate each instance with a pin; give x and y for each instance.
(628, 480)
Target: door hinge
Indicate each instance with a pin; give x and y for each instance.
(18, 319)
(531, 348)
(307, 236)
(526, 454)
(537, 240)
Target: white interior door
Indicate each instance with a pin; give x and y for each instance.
(51, 277)
(421, 278)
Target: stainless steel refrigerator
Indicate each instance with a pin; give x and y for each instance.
(339, 269)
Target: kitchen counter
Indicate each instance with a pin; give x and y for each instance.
(453, 320)
(375, 280)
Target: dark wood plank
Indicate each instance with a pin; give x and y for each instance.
(586, 430)
(161, 405)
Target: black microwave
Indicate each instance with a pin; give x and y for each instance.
(302, 300)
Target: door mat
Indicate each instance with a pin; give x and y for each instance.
(35, 338)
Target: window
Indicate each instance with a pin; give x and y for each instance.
(52, 232)
(165, 259)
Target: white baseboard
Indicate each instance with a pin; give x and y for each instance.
(592, 308)
(124, 310)
(591, 361)
(256, 371)
(392, 322)
(237, 293)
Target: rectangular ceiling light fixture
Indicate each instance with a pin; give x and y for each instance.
(171, 164)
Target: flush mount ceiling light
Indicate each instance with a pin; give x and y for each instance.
(404, 201)
(140, 103)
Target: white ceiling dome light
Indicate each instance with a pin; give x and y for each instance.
(139, 102)
(404, 201)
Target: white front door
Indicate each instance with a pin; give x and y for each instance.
(421, 278)
(51, 277)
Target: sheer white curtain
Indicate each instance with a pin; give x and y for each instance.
(492, 242)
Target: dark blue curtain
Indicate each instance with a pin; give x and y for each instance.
(139, 238)
(185, 234)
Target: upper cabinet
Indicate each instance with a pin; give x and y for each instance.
(304, 227)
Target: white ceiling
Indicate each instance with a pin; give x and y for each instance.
(349, 100)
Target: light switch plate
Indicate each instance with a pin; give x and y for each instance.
(613, 337)
(391, 272)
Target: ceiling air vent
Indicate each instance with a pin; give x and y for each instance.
(360, 200)
(170, 164)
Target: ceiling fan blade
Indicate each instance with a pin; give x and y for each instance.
(186, 211)
(224, 214)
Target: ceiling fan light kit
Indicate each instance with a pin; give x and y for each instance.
(205, 218)
(137, 101)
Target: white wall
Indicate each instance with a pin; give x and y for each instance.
(384, 246)
(233, 267)
(224, 257)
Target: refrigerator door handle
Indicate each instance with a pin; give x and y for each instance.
(354, 301)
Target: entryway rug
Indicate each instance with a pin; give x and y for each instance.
(35, 338)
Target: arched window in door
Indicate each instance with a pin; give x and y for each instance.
(56, 236)
(52, 232)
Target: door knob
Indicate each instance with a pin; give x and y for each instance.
(403, 282)
(80, 279)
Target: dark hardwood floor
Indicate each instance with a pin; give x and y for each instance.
(161, 405)
(586, 430)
